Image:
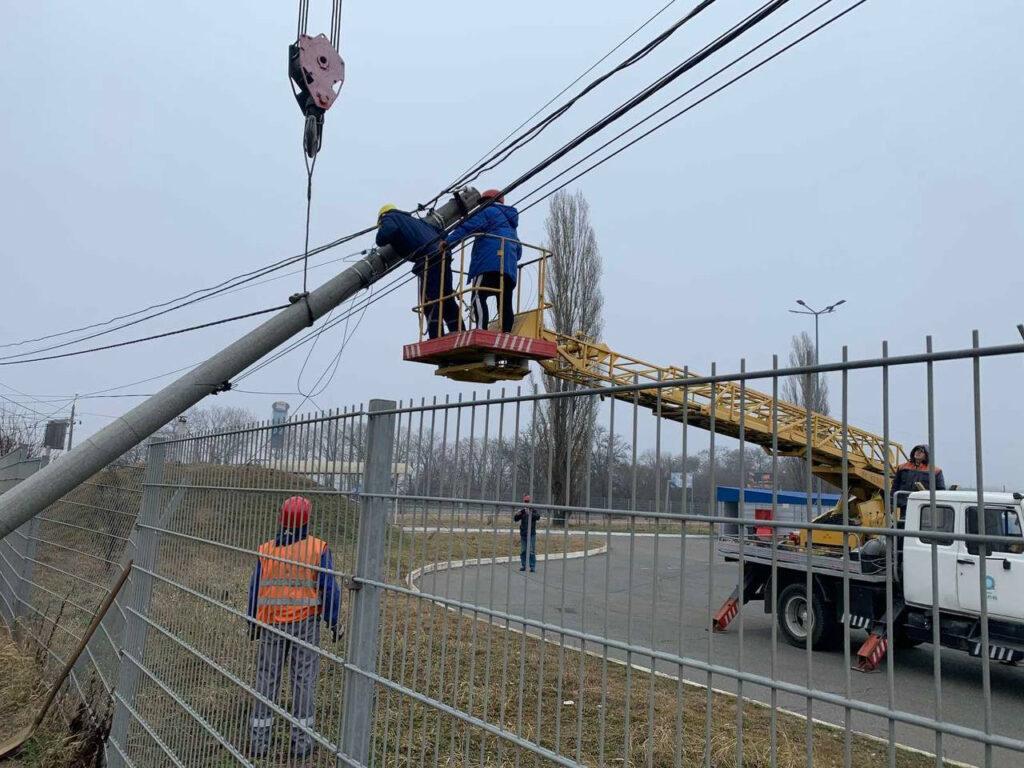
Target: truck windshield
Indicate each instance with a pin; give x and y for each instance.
(999, 521)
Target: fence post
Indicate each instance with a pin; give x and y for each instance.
(138, 590)
(17, 574)
(359, 691)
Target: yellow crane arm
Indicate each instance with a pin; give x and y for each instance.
(593, 364)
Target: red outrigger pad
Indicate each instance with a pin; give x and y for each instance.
(470, 346)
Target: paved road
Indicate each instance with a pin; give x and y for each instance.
(558, 593)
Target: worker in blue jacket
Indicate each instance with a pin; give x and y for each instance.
(494, 265)
(423, 244)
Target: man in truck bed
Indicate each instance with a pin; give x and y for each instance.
(910, 473)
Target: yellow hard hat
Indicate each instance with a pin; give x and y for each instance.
(385, 208)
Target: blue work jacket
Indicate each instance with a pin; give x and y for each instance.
(497, 220)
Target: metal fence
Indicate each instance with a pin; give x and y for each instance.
(455, 651)
(56, 568)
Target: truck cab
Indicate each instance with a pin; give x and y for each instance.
(959, 562)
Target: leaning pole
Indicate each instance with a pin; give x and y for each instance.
(33, 495)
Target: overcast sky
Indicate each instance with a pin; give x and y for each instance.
(149, 149)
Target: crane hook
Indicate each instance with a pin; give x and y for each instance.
(317, 73)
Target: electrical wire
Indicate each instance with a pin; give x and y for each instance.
(675, 100)
(653, 88)
(594, 128)
(176, 332)
(497, 158)
(738, 29)
(232, 283)
(390, 288)
(555, 98)
(225, 286)
(686, 109)
(29, 408)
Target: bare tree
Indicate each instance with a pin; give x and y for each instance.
(809, 391)
(573, 286)
(17, 429)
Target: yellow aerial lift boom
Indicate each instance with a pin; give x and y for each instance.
(593, 364)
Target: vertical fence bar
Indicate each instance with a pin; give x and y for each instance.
(358, 701)
(137, 603)
(29, 534)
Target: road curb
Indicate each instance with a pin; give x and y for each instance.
(439, 566)
(598, 534)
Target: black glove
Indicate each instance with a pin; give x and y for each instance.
(337, 633)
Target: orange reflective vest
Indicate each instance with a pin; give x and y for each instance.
(288, 586)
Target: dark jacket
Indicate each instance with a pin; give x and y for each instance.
(327, 585)
(527, 517)
(497, 220)
(413, 239)
(909, 474)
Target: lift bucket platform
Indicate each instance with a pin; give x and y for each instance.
(481, 356)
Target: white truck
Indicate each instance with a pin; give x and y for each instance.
(958, 566)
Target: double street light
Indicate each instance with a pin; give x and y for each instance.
(807, 310)
(817, 313)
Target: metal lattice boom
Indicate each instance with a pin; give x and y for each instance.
(594, 364)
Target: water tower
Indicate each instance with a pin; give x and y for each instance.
(278, 416)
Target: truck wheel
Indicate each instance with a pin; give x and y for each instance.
(795, 618)
(900, 639)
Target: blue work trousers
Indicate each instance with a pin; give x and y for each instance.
(528, 547)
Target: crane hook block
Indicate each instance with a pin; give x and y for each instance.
(317, 73)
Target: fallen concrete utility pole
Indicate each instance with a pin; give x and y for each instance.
(32, 496)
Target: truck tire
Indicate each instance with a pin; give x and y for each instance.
(793, 616)
(900, 638)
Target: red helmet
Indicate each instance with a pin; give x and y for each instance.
(493, 194)
(295, 512)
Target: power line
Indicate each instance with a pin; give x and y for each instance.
(29, 408)
(668, 104)
(390, 288)
(192, 297)
(738, 29)
(147, 338)
(497, 158)
(558, 95)
(686, 109)
(664, 81)
(223, 291)
(232, 283)
(593, 129)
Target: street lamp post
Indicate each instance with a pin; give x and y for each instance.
(817, 313)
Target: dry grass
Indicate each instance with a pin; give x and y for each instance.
(592, 711)
(68, 737)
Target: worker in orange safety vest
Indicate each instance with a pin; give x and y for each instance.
(292, 588)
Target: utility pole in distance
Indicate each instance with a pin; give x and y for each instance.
(30, 497)
(71, 426)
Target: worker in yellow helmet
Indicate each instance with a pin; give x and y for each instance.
(292, 588)
(423, 244)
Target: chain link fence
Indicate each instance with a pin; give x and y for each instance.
(456, 622)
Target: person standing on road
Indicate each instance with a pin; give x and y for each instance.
(291, 589)
(527, 517)
(910, 473)
(494, 264)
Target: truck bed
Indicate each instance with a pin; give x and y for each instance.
(793, 558)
